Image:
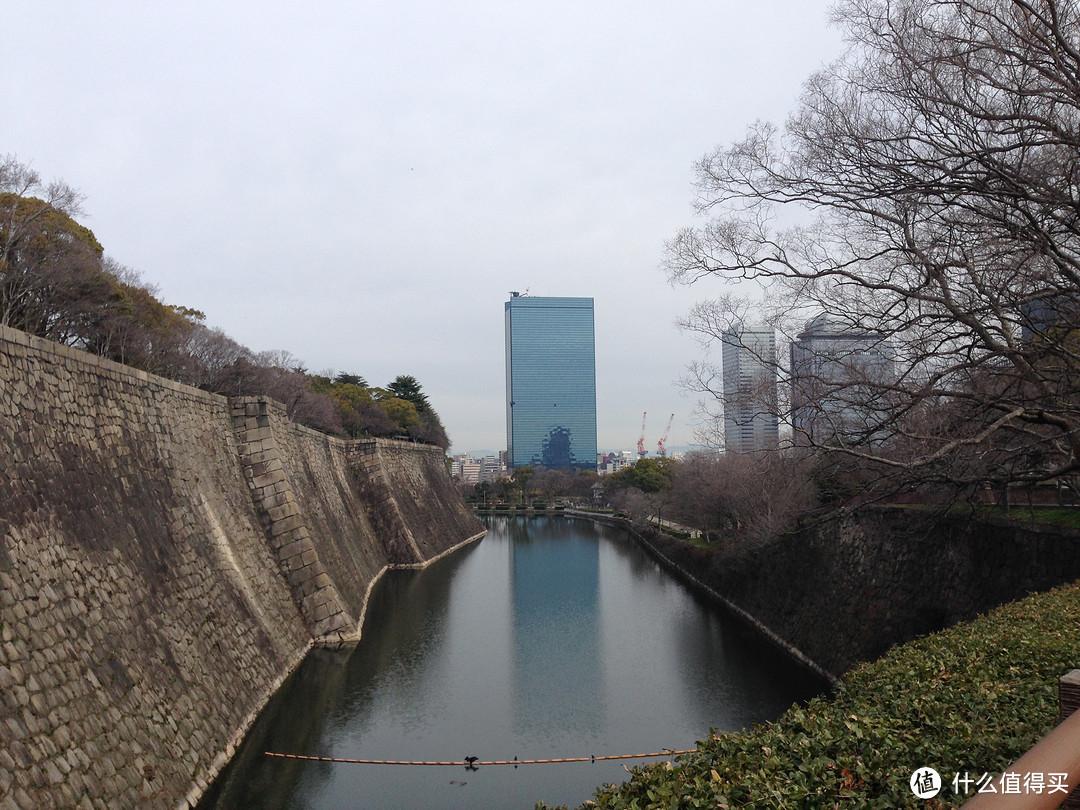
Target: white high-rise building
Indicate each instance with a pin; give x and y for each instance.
(750, 401)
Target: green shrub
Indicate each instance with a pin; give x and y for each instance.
(971, 698)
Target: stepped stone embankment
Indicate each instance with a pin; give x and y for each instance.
(167, 557)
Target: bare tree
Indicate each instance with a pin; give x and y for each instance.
(926, 190)
(212, 353)
(642, 507)
(742, 499)
(550, 483)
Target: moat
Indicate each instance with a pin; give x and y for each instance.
(550, 638)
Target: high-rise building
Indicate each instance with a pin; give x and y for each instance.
(837, 371)
(550, 382)
(750, 403)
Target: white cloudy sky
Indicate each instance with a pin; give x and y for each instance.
(362, 183)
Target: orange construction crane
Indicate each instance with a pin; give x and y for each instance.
(641, 451)
(661, 446)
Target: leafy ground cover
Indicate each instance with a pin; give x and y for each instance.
(1051, 515)
(1020, 514)
(966, 701)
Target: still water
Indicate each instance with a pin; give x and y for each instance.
(550, 638)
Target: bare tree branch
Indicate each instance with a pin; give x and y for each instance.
(926, 190)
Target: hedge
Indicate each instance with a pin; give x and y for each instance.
(968, 700)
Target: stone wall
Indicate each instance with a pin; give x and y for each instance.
(846, 591)
(167, 557)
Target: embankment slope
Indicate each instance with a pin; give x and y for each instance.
(846, 591)
(167, 557)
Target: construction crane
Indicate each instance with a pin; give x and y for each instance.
(641, 451)
(661, 446)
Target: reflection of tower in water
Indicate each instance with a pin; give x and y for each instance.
(556, 652)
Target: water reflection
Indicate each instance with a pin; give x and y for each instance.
(549, 638)
(335, 689)
(556, 666)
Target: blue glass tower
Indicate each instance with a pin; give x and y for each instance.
(550, 382)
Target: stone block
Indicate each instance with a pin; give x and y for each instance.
(22, 800)
(258, 434)
(269, 479)
(284, 525)
(295, 548)
(263, 456)
(307, 585)
(287, 509)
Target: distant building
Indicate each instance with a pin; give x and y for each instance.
(836, 373)
(466, 469)
(492, 468)
(1048, 315)
(550, 382)
(471, 470)
(608, 463)
(750, 402)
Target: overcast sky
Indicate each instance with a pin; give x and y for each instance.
(362, 183)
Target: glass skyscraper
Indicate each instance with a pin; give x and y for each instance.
(751, 422)
(550, 382)
(840, 372)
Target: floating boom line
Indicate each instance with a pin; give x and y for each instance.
(473, 762)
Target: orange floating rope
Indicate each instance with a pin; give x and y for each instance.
(472, 762)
